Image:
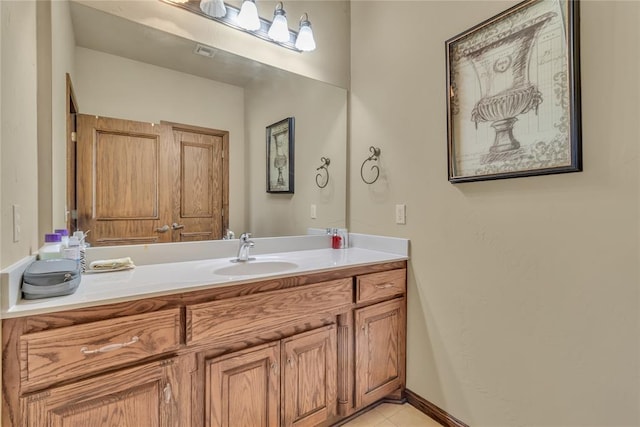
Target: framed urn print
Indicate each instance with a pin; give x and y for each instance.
(280, 159)
(513, 98)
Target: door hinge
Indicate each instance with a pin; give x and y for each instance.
(74, 137)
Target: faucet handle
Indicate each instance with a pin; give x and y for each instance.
(244, 237)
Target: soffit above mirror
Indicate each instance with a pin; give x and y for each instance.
(161, 34)
(101, 31)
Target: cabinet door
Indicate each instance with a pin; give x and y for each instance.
(141, 396)
(309, 378)
(380, 348)
(243, 388)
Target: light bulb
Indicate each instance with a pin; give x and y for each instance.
(248, 16)
(279, 30)
(305, 41)
(215, 8)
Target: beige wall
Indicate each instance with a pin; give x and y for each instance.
(523, 293)
(18, 129)
(113, 86)
(320, 112)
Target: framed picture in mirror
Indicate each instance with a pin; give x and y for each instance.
(513, 94)
(280, 156)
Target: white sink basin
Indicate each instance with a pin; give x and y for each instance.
(255, 267)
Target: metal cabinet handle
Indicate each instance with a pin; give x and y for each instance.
(163, 229)
(110, 347)
(274, 367)
(177, 226)
(384, 286)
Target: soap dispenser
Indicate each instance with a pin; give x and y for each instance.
(336, 240)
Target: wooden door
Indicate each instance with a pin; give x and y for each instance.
(144, 183)
(123, 181)
(141, 396)
(200, 183)
(243, 388)
(380, 343)
(309, 378)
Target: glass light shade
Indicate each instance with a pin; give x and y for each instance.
(305, 41)
(248, 16)
(279, 30)
(215, 8)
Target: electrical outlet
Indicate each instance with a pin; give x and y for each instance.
(314, 213)
(401, 214)
(17, 223)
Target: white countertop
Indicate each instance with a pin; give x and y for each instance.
(173, 277)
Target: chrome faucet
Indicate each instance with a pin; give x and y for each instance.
(243, 250)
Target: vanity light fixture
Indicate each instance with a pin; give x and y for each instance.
(248, 16)
(305, 41)
(215, 8)
(276, 32)
(279, 30)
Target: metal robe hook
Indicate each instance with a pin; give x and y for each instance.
(375, 153)
(324, 166)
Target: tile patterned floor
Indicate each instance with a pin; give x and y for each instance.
(391, 415)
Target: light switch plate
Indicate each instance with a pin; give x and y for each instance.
(401, 214)
(314, 213)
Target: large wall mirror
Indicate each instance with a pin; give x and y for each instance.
(130, 71)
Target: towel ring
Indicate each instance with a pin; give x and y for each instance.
(375, 153)
(324, 166)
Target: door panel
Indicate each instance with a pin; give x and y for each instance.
(123, 181)
(199, 186)
(380, 344)
(243, 388)
(309, 381)
(128, 398)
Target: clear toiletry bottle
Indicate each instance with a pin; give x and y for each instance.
(73, 250)
(52, 247)
(65, 237)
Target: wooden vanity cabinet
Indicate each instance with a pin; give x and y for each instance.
(380, 336)
(291, 382)
(293, 351)
(140, 396)
(309, 378)
(243, 388)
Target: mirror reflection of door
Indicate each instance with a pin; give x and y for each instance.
(140, 183)
(200, 188)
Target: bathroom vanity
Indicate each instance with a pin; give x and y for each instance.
(306, 347)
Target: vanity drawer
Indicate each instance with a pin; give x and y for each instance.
(253, 314)
(374, 286)
(74, 351)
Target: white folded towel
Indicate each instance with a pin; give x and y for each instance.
(112, 264)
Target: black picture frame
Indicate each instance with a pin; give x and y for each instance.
(280, 156)
(513, 94)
